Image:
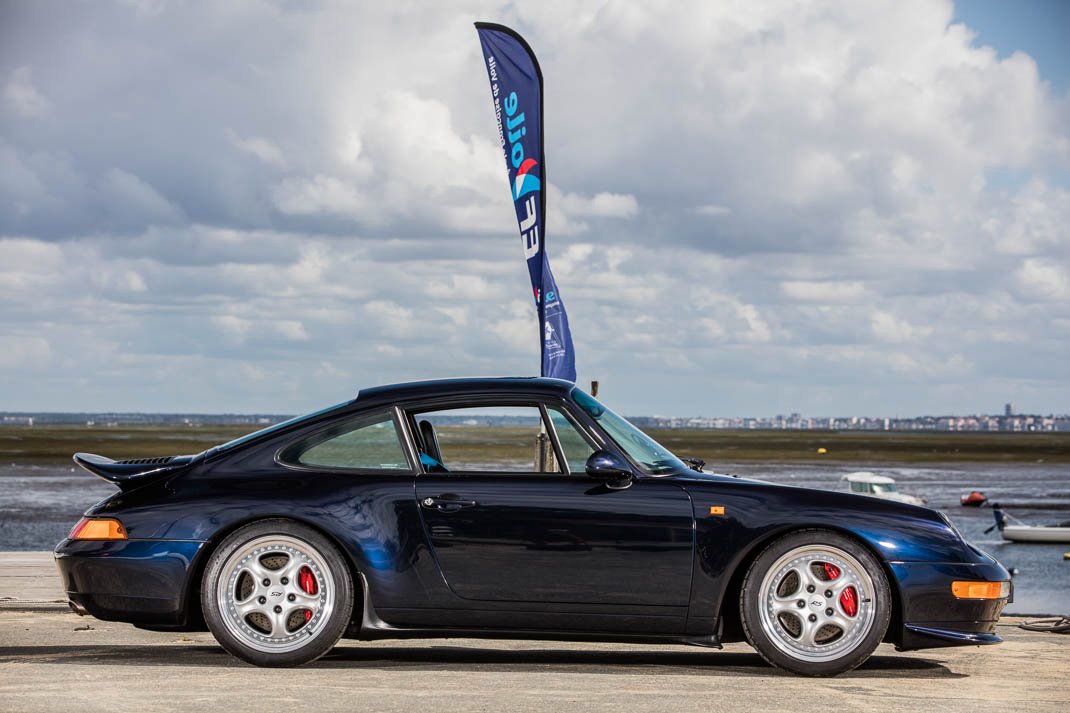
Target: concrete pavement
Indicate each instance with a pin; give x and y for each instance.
(52, 660)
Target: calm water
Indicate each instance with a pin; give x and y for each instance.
(39, 504)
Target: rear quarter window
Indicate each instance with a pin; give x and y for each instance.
(371, 442)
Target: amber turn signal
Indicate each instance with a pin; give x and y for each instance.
(98, 529)
(981, 590)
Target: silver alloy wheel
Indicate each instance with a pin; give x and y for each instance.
(803, 612)
(275, 593)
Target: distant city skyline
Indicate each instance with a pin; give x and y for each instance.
(1020, 423)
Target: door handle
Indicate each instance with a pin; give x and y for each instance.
(444, 503)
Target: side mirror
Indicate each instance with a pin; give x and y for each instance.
(610, 469)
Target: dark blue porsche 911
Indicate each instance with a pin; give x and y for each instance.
(385, 517)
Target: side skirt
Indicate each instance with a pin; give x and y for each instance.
(372, 627)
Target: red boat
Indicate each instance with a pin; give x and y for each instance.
(975, 499)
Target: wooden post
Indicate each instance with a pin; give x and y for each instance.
(544, 454)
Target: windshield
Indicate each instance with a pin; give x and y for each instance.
(647, 453)
(271, 429)
(884, 487)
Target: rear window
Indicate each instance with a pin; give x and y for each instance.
(371, 442)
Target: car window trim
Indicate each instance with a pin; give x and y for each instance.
(456, 402)
(392, 412)
(583, 423)
(407, 437)
(560, 449)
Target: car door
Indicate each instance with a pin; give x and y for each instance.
(502, 532)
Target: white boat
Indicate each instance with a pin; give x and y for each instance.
(864, 482)
(1021, 532)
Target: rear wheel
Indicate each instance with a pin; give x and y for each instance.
(276, 593)
(816, 603)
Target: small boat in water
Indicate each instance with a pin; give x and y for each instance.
(974, 499)
(879, 486)
(1021, 532)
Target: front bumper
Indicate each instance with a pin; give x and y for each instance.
(933, 617)
(143, 582)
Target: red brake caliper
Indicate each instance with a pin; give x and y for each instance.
(848, 598)
(849, 601)
(307, 581)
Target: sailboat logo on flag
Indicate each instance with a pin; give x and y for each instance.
(526, 182)
(552, 344)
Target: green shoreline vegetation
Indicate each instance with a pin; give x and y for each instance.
(55, 444)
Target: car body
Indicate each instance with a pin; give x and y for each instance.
(615, 548)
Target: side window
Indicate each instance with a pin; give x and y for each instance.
(484, 439)
(575, 447)
(372, 443)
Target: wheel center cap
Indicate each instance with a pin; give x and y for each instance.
(276, 594)
(817, 603)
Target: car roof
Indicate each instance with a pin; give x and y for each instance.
(469, 385)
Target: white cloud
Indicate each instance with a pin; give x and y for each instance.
(392, 319)
(319, 195)
(260, 147)
(291, 330)
(516, 331)
(757, 329)
(22, 96)
(830, 291)
(241, 330)
(135, 196)
(24, 353)
(1043, 280)
(233, 327)
(601, 205)
(471, 288)
(566, 210)
(889, 328)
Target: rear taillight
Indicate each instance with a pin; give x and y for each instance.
(98, 528)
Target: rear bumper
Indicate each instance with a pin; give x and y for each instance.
(933, 617)
(143, 582)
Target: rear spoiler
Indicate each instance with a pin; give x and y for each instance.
(128, 474)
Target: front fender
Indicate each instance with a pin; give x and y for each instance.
(735, 519)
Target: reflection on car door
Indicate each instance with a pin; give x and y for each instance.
(555, 537)
(559, 538)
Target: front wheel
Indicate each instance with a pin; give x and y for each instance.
(277, 593)
(815, 603)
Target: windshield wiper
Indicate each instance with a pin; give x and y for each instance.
(694, 464)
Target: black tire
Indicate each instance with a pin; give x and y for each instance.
(327, 585)
(768, 599)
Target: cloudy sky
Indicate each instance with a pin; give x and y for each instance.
(829, 207)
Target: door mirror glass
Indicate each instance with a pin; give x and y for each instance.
(608, 467)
